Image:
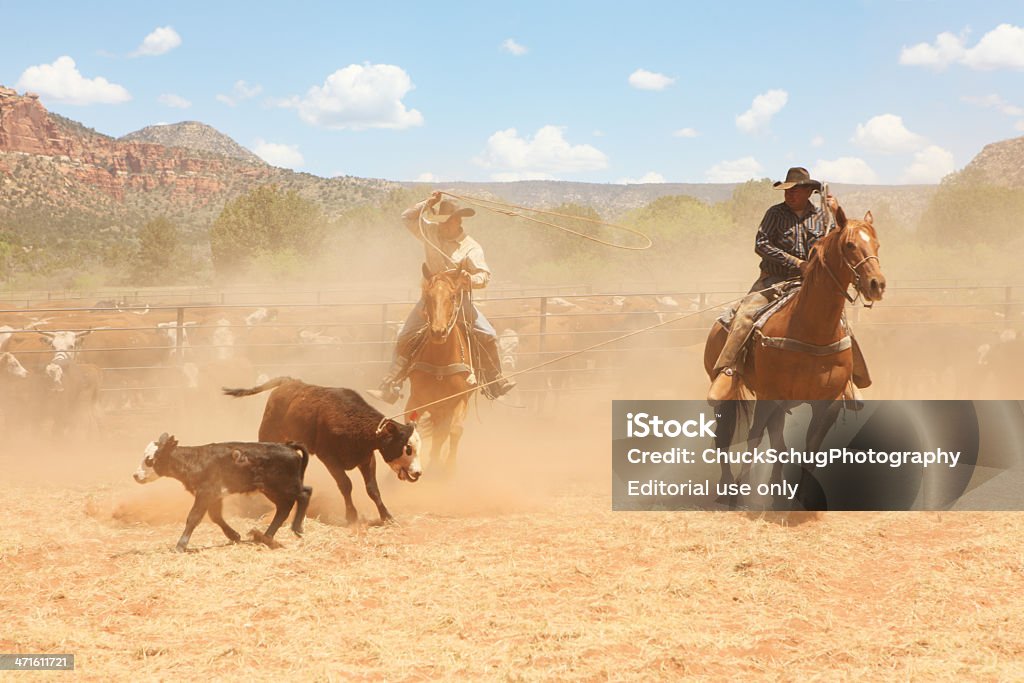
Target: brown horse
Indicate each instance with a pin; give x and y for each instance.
(803, 354)
(442, 367)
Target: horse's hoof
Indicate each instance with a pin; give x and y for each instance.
(728, 501)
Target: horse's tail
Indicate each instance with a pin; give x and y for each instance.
(272, 384)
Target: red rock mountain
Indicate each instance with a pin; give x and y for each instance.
(52, 166)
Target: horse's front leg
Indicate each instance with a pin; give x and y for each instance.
(823, 416)
(455, 430)
(725, 421)
(765, 414)
(441, 421)
(777, 438)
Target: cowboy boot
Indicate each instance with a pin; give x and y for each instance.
(491, 367)
(390, 389)
(724, 387)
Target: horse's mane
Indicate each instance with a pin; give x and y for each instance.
(821, 247)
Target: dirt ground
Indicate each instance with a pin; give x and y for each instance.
(516, 569)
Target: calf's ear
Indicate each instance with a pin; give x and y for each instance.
(163, 439)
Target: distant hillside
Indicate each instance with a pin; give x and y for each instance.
(1000, 163)
(904, 203)
(192, 135)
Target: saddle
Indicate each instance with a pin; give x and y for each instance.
(785, 292)
(474, 363)
(417, 345)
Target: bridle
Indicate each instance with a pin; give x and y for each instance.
(856, 277)
(457, 311)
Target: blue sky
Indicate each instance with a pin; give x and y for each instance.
(883, 92)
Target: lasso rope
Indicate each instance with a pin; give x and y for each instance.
(508, 211)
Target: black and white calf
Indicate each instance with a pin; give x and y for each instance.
(212, 470)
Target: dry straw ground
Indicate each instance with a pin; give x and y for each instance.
(515, 570)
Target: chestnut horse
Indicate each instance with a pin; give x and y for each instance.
(803, 352)
(441, 366)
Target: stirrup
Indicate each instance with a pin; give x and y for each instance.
(852, 398)
(388, 392)
(502, 387)
(729, 372)
(499, 388)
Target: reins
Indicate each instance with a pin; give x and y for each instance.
(856, 280)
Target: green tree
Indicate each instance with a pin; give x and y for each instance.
(680, 220)
(264, 223)
(158, 260)
(965, 208)
(749, 202)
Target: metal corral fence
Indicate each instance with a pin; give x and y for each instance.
(349, 343)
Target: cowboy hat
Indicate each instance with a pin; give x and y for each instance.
(795, 177)
(448, 209)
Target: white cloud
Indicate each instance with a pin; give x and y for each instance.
(930, 165)
(642, 79)
(598, 133)
(359, 97)
(275, 154)
(161, 41)
(513, 48)
(172, 100)
(649, 177)
(995, 102)
(1000, 48)
(240, 91)
(685, 133)
(1019, 125)
(763, 108)
(426, 178)
(886, 133)
(845, 170)
(737, 171)
(62, 82)
(546, 153)
(946, 50)
(817, 141)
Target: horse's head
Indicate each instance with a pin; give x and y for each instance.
(850, 254)
(442, 296)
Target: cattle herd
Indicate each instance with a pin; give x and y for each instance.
(70, 370)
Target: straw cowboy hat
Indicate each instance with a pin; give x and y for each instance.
(797, 176)
(449, 209)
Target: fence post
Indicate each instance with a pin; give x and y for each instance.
(179, 341)
(384, 331)
(543, 329)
